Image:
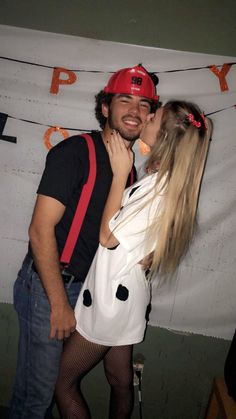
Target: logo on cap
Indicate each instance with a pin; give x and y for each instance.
(132, 81)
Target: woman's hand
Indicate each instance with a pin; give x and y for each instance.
(121, 158)
(146, 262)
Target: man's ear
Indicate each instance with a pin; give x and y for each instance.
(105, 110)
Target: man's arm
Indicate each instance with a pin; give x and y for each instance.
(47, 213)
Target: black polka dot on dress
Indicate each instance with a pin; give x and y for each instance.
(122, 293)
(87, 299)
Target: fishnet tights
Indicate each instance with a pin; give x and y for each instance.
(79, 357)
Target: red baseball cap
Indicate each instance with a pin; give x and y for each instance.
(132, 81)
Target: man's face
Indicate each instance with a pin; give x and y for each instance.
(127, 114)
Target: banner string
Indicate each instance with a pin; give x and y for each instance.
(46, 125)
(108, 72)
(86, 130)
(220, 110)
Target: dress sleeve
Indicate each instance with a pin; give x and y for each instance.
(130, 224)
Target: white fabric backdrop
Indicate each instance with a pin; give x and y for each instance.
(202, 298)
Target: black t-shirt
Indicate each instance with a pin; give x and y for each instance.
(66, 171)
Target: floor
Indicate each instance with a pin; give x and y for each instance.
(4, 412)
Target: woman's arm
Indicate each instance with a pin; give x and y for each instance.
(121, 160)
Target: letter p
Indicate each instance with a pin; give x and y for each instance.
(56, 80)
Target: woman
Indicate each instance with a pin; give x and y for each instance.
(155, 216)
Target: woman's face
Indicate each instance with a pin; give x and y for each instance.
(151, 128)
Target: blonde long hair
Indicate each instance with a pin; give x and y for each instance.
(180, 153)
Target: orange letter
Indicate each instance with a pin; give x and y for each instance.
(221, 75)
(48, 133)
(56, 81)
(143, 148)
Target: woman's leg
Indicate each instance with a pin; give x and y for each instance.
(119, 372)
(78, 358)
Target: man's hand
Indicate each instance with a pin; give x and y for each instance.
(62, 322)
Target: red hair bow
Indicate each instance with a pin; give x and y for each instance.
(193, 121)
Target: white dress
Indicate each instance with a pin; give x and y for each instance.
(111, 308)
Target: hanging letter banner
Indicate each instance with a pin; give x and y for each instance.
(56, 80)
(221, 74)
(48, 133)
(3, 120)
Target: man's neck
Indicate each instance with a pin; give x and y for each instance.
(106, 136)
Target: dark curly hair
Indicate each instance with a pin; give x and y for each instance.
(106, 98)
(100, 99)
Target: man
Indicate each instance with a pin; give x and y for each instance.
(46, 291)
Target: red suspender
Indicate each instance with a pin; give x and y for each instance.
(82, 204)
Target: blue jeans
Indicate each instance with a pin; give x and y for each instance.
(38, 356)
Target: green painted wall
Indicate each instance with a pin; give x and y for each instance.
(178, 369)
(177, 378)
(192, 25)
